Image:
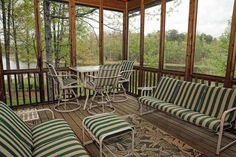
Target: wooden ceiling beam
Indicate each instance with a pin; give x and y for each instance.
(117, 5)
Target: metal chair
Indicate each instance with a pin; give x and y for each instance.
(126, 72)
(102, 84)
(66, 93)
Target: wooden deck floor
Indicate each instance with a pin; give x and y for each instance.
(196, 137)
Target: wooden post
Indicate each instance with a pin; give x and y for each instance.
(141, 74)
(232, 51)
(39, 48)
(72, 33)
(2, 93)
(162, 36)
(125, 32)
(190, 51)
(101, 35)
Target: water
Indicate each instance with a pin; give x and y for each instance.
(23, 65)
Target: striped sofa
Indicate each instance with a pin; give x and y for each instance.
(213, 108)
(52, 138)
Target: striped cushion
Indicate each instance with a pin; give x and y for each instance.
(189, 95)
(172, 109)
(10, 143)
(126, 66)
(150, 101)
(50, 131)
(66, 146)
(10, 120)
(104, 124)
(166, 89)
(107, 75)
(203, 120)
(217, 100)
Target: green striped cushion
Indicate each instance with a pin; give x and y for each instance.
(66, 146)
(126, 66)
(50, 131)
(10, 120)
(172, 109)
(166, 89)
(102, 125)
(10, 143)
(150, 101)
(203, 120)
(106, 75)
(217, 100)
(189, 95)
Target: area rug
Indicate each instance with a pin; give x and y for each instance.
(150, 141)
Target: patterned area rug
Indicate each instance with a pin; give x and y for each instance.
(150, 141)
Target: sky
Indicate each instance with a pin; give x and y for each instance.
(213, 17)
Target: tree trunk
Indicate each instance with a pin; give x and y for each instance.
(48, 43)
(6, 33)
(15, 43)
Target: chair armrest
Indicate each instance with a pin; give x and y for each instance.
(227, 112)
(46, 109)
(126, 71)
(151, 88)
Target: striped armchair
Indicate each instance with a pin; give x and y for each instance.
(213, 108)
(52, 138)
(126, 72)
(102, 84)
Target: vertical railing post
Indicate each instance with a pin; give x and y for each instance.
(232, 51)
(101, 35)
(125, 32)
(141, 57)
(2, 93)
(190, 51)
(72, 33)
(162, 37)
(39, 48)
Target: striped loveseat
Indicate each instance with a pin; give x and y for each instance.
(52, 138)
(213, 108)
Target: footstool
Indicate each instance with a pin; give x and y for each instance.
(101, 127)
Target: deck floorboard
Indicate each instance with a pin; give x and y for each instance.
(197, 137)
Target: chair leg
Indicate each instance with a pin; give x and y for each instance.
(100, 145)
(86, 101)
(219, 140)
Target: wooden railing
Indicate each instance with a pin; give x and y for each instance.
(151, 76)
(21, 87)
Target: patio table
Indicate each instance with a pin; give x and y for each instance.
(81, 70)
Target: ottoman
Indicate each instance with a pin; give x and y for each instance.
(101, 127)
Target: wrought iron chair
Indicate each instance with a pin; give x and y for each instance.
(102, 84)
(65, 94)
(126, 72)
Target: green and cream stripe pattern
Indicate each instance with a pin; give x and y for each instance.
(108, 75)
(203, 120)
(50, 131)
(52, 138)
(189, 95)
(15, 124)
(102, 125)
(11, 144)
(150, 101)
(67, 146)
(172, 109)
(217, 100)
(127, 65)
(166, 89)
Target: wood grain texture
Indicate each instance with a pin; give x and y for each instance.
(197, 137)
